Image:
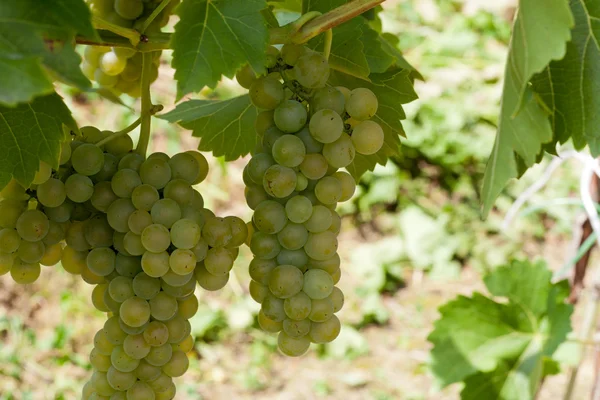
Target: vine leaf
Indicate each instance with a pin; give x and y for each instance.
(564, 86)
(226, 128)
(500, 347)
(389, 43)
(30, 133)
(393, 88)
(215, 38)
(540, 34)
(378, 59)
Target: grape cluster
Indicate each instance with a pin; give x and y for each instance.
(136, 229)
(120, 68)
(293, 183)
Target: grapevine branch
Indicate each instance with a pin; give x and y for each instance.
(142, 146)
(154, 14)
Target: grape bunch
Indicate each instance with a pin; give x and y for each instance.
(293, 183)
(120, 68)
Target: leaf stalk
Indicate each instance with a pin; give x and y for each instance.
(146, 118)
(154, 14)
(131, 34)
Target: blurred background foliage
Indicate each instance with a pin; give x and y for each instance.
(412, 239)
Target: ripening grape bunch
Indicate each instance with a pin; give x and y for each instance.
(310, 131)
(120, 68)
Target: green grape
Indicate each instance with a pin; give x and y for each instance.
(301, 182)
(239, 231)
(111, 64)
(264, 245)
(52, 255)
(255, 195)
(187, 307)
(290, 116)
(24, 273)
(140, 390)
(288, 151)
(314, 166)
(101, 261)
(257, 166)
(91, 278)
(320, 219)
(124, 182)
(162, 382)
(340, 153)
(9, 240)
(98, 297)
(328, 98)
(285, 281)
(178, 328)
(267, 324)
(321, 246)
(336, 276)
(264, 120)
(361, 104)
(65, 151)
(156, 334)
(120, 380)
(113, 330)
(13, 191)
(295, 328)
(321, 309)
(145, 286)
(202, 164)
(272, 308)
(56, 233)
(293, 236)
(135, 346)
(348, 185)
(209, 281)
(326, 331)
(131, 161)
(312, 70)
(177, 365)
(298, 307)
(155, 264)
(266, 93)
(184, 166)
(131, 72)
(259, 269)
(163, 306)
(103, 196)
(217, 232)
(73, 261)
(138, 221)
(292, 346)
(118, 214)
(124, 51)
(218, 261)
(271, 135)
(336, 223)
(179, 190)
(109, 167)
(156, 238)
(101, 343)
(182, 261)
(337, 299)
(181, 291)
(99, 361)
(135, 311)
(128, 266)
(279, 181)
(51, 193)
(75, 236)
(297, 258)
(328, 190)
(79, 188)
(200, 250)
(130, 330)
(245, 76)
(32, 225)
(326, 126)
(318, 284)
(186, 345)
(92, 53)
(159, 154)
(121, 288)
(185, 234)
(272, 56)
(10, 212)
(91, 134)
(101, 385)
(160, 355)
(6, 263)
(165, 212)
(87, 159)
(168, 394)
(129, 9)
(258, 291)
(97, 231)
(146, 372)
(119, 146)
(155, 172)
(112, 305)
(291, 52)
(144, 197)
(367, 137)
(298, 209)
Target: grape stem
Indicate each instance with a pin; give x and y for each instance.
(154, 14)
(327, 45)
(120, 133)
(156, 41)
(146, 117)
(131, 34)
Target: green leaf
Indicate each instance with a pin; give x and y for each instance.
(21, 80)
(389, 43)
(378, 59)
(74, 14)
(215, 38)
(30, 133)
(541, 31)
(393, 88)
(226, 128)
(498, 348)
(565, 87)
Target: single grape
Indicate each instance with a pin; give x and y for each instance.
(135, 311)
(217, 232)
(155, 264)
(325, 332)
(188, 307)
(298, 307)
(202, 164)
(266, 93)
(32, 225)
(314, 166)
(340, 153)
(184, 166)
(182, 261)
(245, 76)
(124, 182)
(121, 145)
(135, 346)
(111, 64)
(367, 137)
(9, 240)
(258, 291)
(24, 273)
(155, 172)
(318, 284)
(99, 361)
(272, 308)
(131, 161)
(118, 214)
(179, 190)
(269, 217)
(145, 286)
(120, 380)
(267, 324)
(312, 70)
(255, 195)
(297, 258)
(103, 196)
(52, 255)
(218, 261)
(288, 151)
(328, 190)
(163, 306)
(79, 188)
(291, 52)
(321, 246)
(320, 219)
(101, 261)
(285, 281)
(146, 372)
(165, 212)
(321, 309)
(209, 281)
(298, 209)
(264, 120)
(279, 181)
(87, 159)
(177, 365)
(326, 126)
(348, 185)
(293, 236)
(121, 289)
(292, 346)
(138, 221)
(160, 355)
(140, 391)
(129, 9)
(328, 98)
(290, 116)
(265, 246)
(361, 104)
(144, 196)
